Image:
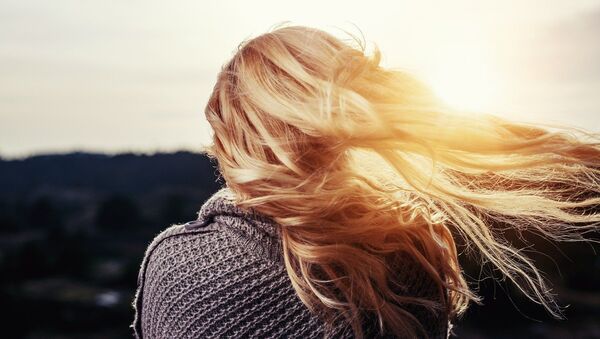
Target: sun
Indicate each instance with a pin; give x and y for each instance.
(465, 79)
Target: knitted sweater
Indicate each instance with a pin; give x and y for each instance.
(222, 276)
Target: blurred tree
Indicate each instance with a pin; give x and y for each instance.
(8, 219)
(31, 260)
(42, 213)
(173, 209)
(118, 212)
(73, 256)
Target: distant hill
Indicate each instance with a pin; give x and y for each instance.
(73, 230)
(82, 190)
(123, 173)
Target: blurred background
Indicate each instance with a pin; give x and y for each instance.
(101, 117)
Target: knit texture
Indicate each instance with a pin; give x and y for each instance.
(223, 276)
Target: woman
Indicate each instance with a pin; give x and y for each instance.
(348, 186)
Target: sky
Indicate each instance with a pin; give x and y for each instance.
(120, 76)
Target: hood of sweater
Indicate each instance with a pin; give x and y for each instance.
(253, 230)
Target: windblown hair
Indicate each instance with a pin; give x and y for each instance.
(357, 162)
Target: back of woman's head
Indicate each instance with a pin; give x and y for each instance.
(357, 162)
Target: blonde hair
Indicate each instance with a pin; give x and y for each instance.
(356, 162)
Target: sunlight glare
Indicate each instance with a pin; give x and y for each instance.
(465, 79)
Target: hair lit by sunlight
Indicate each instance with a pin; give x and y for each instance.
(358, 162)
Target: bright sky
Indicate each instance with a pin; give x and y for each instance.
(134, 75)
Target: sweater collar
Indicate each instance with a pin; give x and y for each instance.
(254, 229)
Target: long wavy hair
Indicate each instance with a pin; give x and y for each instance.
(357, 162)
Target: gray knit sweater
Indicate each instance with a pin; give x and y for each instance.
(222, 276)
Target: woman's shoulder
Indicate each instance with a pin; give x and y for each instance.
(186, 249)
(201, 281)
(180, 241)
